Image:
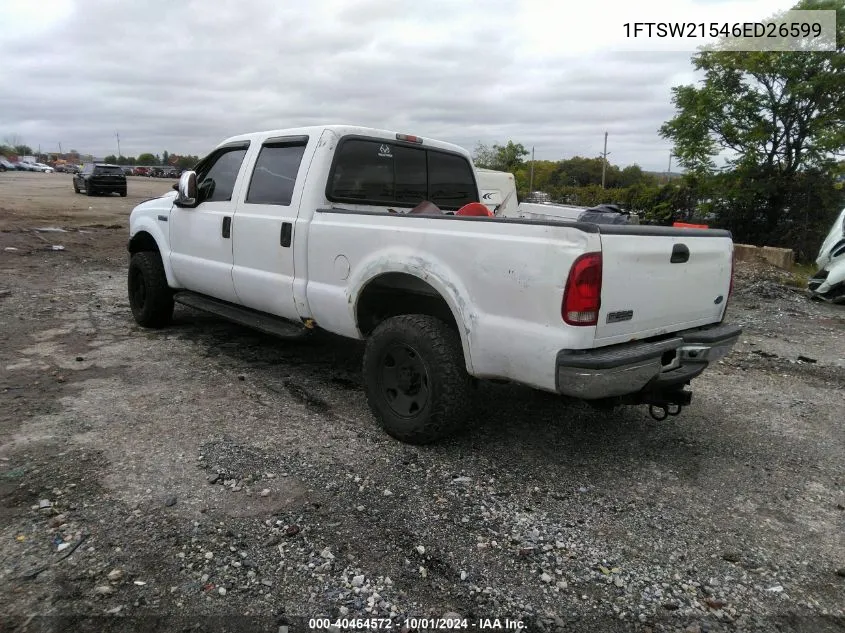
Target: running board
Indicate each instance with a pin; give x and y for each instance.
(254, 319)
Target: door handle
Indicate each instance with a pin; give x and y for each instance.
(286, 235)
(680, 254)
(227, 227)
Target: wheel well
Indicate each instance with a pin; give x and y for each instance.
(392, 294)
(142, 241)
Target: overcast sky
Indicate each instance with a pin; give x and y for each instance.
(182, 76)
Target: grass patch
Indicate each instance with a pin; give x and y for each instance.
(799, 276)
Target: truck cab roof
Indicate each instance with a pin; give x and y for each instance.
(347, 130)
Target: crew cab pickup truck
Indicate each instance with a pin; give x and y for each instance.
(375, 235)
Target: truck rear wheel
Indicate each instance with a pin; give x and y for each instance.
(417, 384)
(150, 298)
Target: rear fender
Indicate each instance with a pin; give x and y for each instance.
(434, 273)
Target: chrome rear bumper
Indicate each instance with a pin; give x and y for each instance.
(629, 368)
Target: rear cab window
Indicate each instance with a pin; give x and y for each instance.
(108, 170)
(386, 173)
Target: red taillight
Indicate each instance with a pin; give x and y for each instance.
(582, 296)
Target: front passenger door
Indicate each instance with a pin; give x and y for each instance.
(201, 237)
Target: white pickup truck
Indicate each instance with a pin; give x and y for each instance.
(375, 235)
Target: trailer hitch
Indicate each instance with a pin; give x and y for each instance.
(660, 412)
(661, 405)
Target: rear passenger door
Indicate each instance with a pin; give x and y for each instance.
(265, 225)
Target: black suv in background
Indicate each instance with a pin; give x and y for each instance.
(98, 178)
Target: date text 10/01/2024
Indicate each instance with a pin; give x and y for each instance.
(722, 29)
(415, 624)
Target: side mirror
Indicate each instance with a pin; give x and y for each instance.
(187, 190)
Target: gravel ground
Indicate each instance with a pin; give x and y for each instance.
(208, 478)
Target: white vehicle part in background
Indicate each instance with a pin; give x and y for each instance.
(829, 282)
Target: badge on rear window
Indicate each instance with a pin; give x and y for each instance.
(384, 151)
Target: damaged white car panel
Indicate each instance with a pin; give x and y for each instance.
(829, 282)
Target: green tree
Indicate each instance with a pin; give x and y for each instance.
(508, 157)
(111, 158)
(23, 150)
(779, 116)
(187, 162)
(147, 159)
(483, 156)
(633, 175)
(165, 158)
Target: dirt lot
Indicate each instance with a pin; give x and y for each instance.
(207, 478)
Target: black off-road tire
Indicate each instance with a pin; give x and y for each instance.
(75, 187)
(150, 298)
(123, 193)
(437, 348)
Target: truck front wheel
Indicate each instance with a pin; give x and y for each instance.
(417, 384)
(150, 298)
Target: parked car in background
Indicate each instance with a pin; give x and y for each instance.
(6, 165)
(141, 171)
(100, 178)
(128, 171)
(173, 173)
(156, 172)
(43, 168)
(24, 166)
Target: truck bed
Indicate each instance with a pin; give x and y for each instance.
(504, 280)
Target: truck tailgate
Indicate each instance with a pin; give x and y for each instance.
(661, 280)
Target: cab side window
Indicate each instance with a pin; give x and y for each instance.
(274, 176)
(216, 181)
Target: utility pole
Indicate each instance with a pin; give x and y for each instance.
(60, 148)
(669, 169)
(604, 161)
(531, 177)
(117, 136)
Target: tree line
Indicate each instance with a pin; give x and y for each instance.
(165, 158)
(186, 161)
